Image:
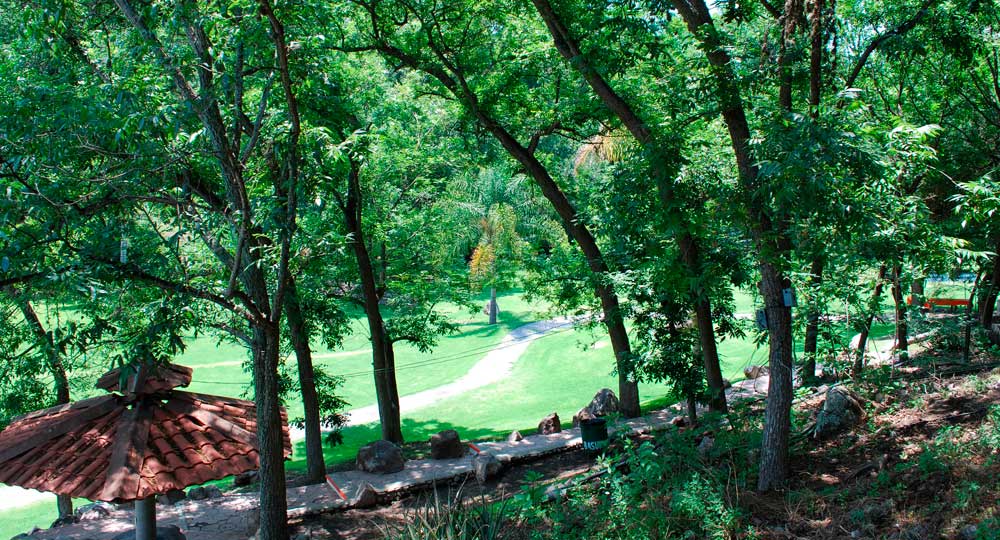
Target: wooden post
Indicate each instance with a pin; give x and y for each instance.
(145, 519)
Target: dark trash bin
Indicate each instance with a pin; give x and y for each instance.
(595, 434)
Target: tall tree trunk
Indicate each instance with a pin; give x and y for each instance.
(383, 356)
(810, 345)
(493, 305)
(706, 331)
(989, 299)
(568, 47)
(299, 335)
(692, 407)
(900, 305)
(576, 228)
(770, 240)
(874, 306)
(917, 294)
(60, 382)
(273, 501)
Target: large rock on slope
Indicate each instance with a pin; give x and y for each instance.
(486, 466)
(550, 424)
(604, 403)
(447, 445)
(380, 457)
(841, 410)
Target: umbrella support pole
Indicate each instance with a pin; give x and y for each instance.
(145, 519)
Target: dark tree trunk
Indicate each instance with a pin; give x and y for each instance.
(774, 464)
(900, 305)
(299, 334)
(60, 382)
(383, 356)
(874, 306)
(692, 407)
(493, 305)
(989, 302)
(770, 240)
(273, 502)
(455, 82)
(917, 292)
(568, 47)
(706, 333)
(810, 346)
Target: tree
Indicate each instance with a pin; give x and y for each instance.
(450, 44)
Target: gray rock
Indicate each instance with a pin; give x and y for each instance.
(367, 497)
(447, 445)
(752, 372)
(582, 415)
(515, 436)
(841, 410)
(163, 532)
(486, 466)
(969, 532)
(380, 457)
(706, 445)
(605, 402)
(204, 492)
(919, 531)
(171, 497)
(245, 479)
(92, 511)
(550, 424)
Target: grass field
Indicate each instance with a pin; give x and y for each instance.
(558, 372)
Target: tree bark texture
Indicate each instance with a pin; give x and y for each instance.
(811, 343)
(770, 240)
(901, 311)
(569, 48)
(299, 335)
(383, 356)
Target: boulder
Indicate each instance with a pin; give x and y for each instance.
(380, 457)
(841, 410)
(752, 372)
(969, 532)
(447, 445)
(486, 466)
(705, 446)
(550, 424)
(245, 479)
(163, 532)
(515, 436)
(582, 415)
(367, 497)
(604, 403)
(204, 492)
(171, 497)
(92, 511)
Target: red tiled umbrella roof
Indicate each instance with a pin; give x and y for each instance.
(117, 448)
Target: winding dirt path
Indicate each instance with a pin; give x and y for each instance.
(494, 367)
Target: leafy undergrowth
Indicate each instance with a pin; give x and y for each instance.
(923, 463)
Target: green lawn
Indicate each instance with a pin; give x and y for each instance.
(559, 372)
(218, 368)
